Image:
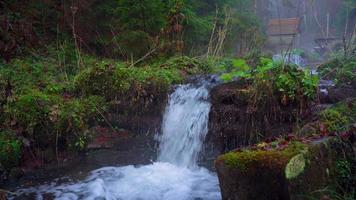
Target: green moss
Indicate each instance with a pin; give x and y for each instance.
(295, 166)
(273, 159)
(188, 65)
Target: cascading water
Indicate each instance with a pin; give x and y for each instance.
(185, 125)
(175, 176)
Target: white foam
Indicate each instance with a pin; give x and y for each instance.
(158, 181)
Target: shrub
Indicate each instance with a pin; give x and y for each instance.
(74, 119)
(186, 64)
(29, 73)
(111, 80)
(334, 120)
(32, 109)
(287, 80)
(10, 150)
(103, 79)
(234, 68)
(339, 70)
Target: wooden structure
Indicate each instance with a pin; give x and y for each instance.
(283, 33)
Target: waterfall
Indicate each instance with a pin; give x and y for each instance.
(176, 174)
(185, 125)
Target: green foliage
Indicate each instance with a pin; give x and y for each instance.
(102, 80)
(334, 120)
(110, 79)
(344, 173)
(142, 15)
(339, 116)
(187, 65)
(234, 68)
(32, 109)
(74, 116)
(26, 74)
(340, 70)
(287, 80)
(347, 108)
(10, 150)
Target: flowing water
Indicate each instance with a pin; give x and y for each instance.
(176, 174)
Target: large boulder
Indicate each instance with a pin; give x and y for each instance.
(295, 172)
(233, 123)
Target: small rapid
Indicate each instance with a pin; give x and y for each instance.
(174, 176)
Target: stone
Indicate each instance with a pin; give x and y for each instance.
(340, 93)
(232, 124)
(294, 173)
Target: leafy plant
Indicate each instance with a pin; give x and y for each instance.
(341, 70)
(234, 68)
(73, 119)
(334, 120)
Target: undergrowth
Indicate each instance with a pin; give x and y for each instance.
(52, 100)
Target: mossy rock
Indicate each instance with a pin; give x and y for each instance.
(249, 161)
(340, 116)
(294, 173)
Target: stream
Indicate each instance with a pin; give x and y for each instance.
(175, 175)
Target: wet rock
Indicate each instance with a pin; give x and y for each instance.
(231, 123)
(336, 94)
(142, 116)
(294, 173)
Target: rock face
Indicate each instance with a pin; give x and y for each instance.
(294, 173)
(232, 124)
(142, 116)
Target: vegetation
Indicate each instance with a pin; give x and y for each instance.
(274, 159)
(10, 150)
(61, 77)
(342, 71)
(288, 81)
(339, 117)
(128, 29)
(52, 103)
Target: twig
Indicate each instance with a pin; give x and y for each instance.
(144, 57)
(106, 121)
(212, 32)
